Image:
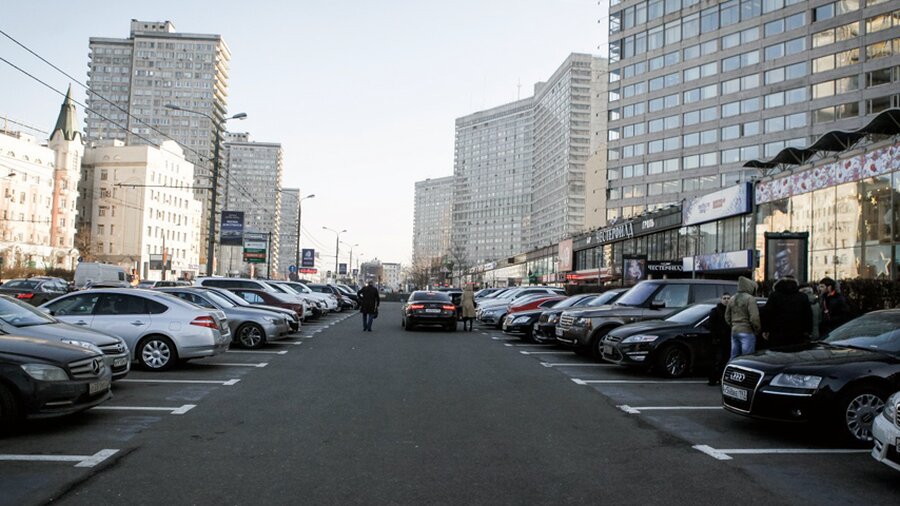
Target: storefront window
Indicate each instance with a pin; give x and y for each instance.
(708, 236)
(823, 220)
(878, 262)
(730, 233)
(877, 210)
(801, 213)
(688, 241)
(896, 195)
(847, 216)
(847, 265)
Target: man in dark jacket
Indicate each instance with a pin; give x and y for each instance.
(720, 332)
(786, 317)
(368, 304)
(835, 310)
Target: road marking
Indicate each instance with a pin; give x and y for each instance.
(548, 364)
(279, 343)
(632, 382)
(530, 345)
(258, 352)
(82, 460)
(545, 352)
(230, 364)
(227, 383)
(495, 338)
(173, 411)
(637, 410)
(719, 454)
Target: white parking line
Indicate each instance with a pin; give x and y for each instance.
(258, 352)
(545, 352)
(495, 338)
(632, 382)
(531, 346)
(82, 460)
(173, 411)
(282, 343)
(548, 364)
(226, 383)
(231, 364)
(726, 454)
(637, 410)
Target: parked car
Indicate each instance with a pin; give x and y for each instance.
(545, 327)
(429, 308)
(841, 381)
(42, 378)
(492, 311)
(293, 319)
(92, 274)
(583, 329)
(673, 347)
(521, 319)
(149, 283)
(350, 293)
(159, 329)
(306, 302)
(34, 291)
(886, 432)
(484, 292)
(20, 319)
(250, 328)
(265, 298)
(336, 302)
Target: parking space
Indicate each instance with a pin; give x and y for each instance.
(691, 411)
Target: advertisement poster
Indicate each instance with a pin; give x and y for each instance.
(308, 258)
(232, 228)
(786, 255)
(342, 269)
(634, 268)
(565, 255)
(255, 246)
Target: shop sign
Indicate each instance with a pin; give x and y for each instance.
(663, 267)
(616, 232)
(255, 246)
(714, 206)
(306, 270)
(730, 261)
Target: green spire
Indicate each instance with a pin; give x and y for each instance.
(66, 121)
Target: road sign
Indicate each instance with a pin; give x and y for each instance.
(342, 269)
(292, 269)
(255, 246)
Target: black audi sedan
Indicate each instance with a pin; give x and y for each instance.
(841, 382)
(42, 378)
(429, 308)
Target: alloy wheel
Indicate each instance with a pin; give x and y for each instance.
(250, 336)
(676, 362)
(861, 413)
(156, 354)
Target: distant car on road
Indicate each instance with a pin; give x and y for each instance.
(34, 291)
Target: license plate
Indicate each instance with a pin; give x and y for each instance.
(559, 332)
(119, 362)
(432, 310)
(735, 393)
(98, 386)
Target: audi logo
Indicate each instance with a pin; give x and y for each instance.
(96, 366)
(737, 376)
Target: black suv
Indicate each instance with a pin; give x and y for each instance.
(584, 329)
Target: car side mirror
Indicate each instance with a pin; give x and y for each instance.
(46, 310)
(658, 304)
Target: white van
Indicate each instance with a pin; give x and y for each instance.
(88, 274)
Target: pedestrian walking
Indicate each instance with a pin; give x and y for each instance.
(835, 310)
(742, 314)
(720, 333)
(786, 317)
(815, 309)
(369, 301)
(467, 305)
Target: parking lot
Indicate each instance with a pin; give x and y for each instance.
(789, 459)
(51, 455)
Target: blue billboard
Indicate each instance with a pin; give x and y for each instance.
(308, 258)
(232, 230)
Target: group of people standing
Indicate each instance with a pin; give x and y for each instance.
(792, 315)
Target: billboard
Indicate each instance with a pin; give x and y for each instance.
(342, 269)
(232, 229)
(255, 246)
(721, 204)
(634, 268)
(786, 255)
(308, 258)
(565, 255)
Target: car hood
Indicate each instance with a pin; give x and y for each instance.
(25, 349)
(249, 312)
(609, 310)
(527, 312)
(57, 331)
(811, 356)
(648, 326)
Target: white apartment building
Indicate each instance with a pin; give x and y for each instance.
(391, 276)
(138, 209)
(252, 174)
(432, 219)
(287, 242)
(39, 187)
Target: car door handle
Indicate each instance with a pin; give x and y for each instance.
(137, 323)
(81, 322)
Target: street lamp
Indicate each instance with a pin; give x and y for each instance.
(210, 246)
(350, 265)
(337, 248)
(299, 214)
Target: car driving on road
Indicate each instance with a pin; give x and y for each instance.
(429, 308)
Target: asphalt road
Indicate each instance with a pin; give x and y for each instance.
(425, 417)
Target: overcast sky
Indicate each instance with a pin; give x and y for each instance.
(361, 94)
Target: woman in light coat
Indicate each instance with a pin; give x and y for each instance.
(467, 304)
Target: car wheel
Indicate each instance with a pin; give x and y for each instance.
(157, 353)
(674, 361)
(596, 348)
(10, 411)
(857, 410)
(251, 336)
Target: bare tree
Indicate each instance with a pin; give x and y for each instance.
(84, 242)
(459, 260)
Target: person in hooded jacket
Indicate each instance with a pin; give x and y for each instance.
(786, 317)
(742, 314)
(720, 334)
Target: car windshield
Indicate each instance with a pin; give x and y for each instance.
(692, 314)
(435, 296)
(874, 331)
(571, 301)
(300, 287)
(230, 296)
(218, 299)
(638, 294)
(19, 314)
(288, 289)
(605, 298)
(26, 284)
(146, 284)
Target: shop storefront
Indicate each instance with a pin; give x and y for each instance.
(719, 225)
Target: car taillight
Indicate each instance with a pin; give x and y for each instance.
(417, 306)
(449, 307)
(24, 295)
(205, 321)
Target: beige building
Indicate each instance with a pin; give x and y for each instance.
(39, 188)
(138, 209)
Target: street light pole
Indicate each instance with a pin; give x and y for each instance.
(299, 215)
(337, 248)
(350, 264)
(211, 241)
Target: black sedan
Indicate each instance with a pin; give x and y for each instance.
(429, 308)
(841, 382)
(34, 291)
(41, 378)
(545, 328)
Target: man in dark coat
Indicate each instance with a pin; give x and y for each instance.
(787, 316)
(368, 304)
(720, 332)
(835, 310)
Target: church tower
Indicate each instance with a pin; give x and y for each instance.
(66, 141)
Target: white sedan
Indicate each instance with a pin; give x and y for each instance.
(886, 431)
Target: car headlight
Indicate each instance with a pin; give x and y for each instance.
(84, 344)
(796, 381)
(553, 319)
(45, 372)
(521, 319)
(640, 338)
(273, 320)
(890, 408)
(578, 321)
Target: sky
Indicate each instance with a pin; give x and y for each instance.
(361, 94)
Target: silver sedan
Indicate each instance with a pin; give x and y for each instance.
(158, 328)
